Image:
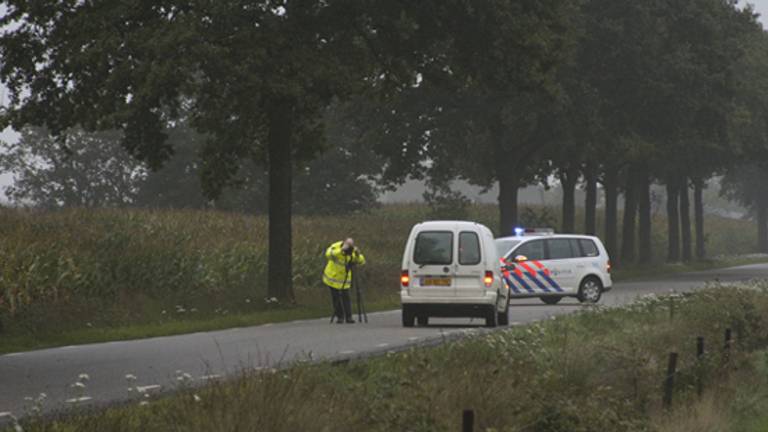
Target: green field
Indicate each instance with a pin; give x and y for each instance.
(597, 370)
(76, 276)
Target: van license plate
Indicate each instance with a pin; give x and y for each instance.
(436, 281)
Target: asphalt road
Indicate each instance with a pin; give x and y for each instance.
(155, 362)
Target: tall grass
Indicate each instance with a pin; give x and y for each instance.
(79, 269)
(599, 370)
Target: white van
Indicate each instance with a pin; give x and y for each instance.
(451, 269)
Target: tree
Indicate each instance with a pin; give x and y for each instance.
(748, 184)
(76, 169)
(255, 77)
(482, 104)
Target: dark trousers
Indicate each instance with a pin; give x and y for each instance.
(342, 304)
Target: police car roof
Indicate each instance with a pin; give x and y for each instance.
(536, 236)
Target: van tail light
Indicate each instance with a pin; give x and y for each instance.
(488, 279)
(405, 278)
(608, 267)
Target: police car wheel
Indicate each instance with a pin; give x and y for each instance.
(422, 320)
(550, 300)
(590, 290)
(491, 317)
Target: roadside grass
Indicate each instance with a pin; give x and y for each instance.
(599, 369)
(80, 276)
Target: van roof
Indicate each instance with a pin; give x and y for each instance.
(449, 224)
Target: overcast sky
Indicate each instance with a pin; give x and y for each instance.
(761, 6)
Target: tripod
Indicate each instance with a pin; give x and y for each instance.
(361, 314)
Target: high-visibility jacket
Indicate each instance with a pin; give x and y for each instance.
(337, 272)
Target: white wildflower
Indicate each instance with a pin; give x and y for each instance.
(83, 377)
(143, 403)
(130, 377)
(78, 385)
(197, 398)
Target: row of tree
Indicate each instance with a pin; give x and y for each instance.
(618, 92)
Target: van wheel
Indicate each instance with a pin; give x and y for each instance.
(422, 320)
(590, 290)
(503, 318)
(491, 317)
(550, 300)
(408, 317)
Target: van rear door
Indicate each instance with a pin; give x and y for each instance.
(469, 268)
(431, 264)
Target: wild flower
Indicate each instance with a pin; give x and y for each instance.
(130, 377)
(143, 403)
(197, 398)
(79, 385)
(83, 377)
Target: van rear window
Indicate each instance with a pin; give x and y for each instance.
(433, 248)
(469, 248)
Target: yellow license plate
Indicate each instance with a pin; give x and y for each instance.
(436, 281)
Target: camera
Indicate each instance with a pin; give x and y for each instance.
(347, 250)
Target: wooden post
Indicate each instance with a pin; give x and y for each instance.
(700, 365)
(468, 421)
(672, 307)
(669, 382)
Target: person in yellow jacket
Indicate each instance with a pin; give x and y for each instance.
(342, 258)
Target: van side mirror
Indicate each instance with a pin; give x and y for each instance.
(521, 258)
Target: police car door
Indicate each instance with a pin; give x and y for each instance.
(528, 276)
(561, 263)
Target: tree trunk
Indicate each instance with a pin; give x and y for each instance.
(762, 226)
(698, 213)
(508, 187)
(685, 219)
(590, 201)
(568, 184)
(630, 219)
(610, 186)
(645, 254)
(673, 225)
(280, 270)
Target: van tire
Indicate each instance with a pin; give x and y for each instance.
(491, 317)
(590, 290)
(551, 300)
(422, 320)
(408, 317)
(503, 318)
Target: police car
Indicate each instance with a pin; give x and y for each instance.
(539, 263)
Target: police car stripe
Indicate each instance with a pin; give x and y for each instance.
(510, 284)
(532, 276)
(551, 281)
(522, 282)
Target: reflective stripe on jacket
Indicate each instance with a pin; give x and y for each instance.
(335, 274)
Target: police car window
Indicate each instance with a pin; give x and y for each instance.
(589, 248)
(434, 247)
(504, 246)
(577, 252)
(469, 248)
(560, 249)
(533, 250)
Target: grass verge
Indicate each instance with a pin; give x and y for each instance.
(601, 369)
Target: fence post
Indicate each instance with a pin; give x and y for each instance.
(468, 421)
(700, 364)
(672, 306)
(669, 382)
(727, 345)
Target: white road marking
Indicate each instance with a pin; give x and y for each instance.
(346, 352)
(142, 389)
(413, 338)
(515, 323)
(382, 345)
(5, 414)
(12, 354)
(210, 377)
(79, 399)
